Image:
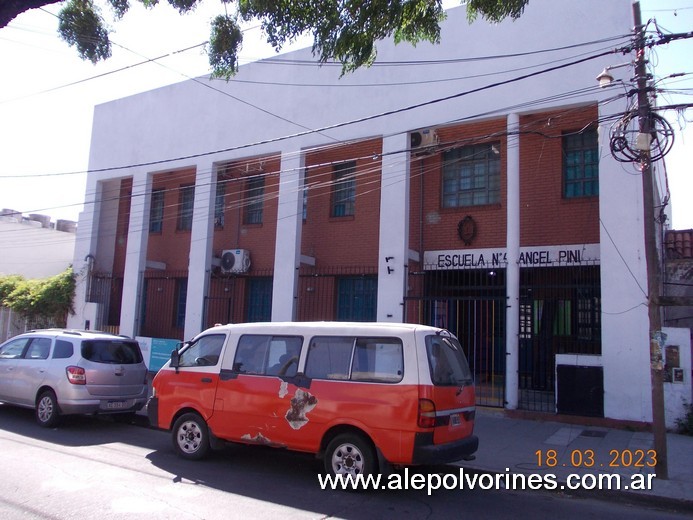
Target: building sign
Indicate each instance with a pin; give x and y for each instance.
(538, 256)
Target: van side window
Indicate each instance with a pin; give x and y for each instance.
(63, 349)
(447, 362)
(204, 352)
(329, 357)
(261, 354)
(378, 360)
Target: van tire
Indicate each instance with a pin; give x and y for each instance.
(47, 411)
(350, 454)
(190, 437)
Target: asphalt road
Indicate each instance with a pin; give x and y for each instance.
(98, 468)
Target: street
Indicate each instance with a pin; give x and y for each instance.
(96, 467)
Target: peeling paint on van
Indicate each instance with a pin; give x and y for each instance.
(301, 403)
(258, 439)
(283, 389)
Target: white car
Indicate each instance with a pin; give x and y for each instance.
(61, 372)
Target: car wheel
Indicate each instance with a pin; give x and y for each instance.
(191, 436)
(47, 411)
(350, 454)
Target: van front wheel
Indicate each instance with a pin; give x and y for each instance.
(350, 454)
(190, 436)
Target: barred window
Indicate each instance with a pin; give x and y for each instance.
(156, 211)
(581, 164)
(219, 204)
(471, 176)
(185, 207)
(344, 189)
(254, 195)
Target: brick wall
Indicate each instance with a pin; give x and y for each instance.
(350, 240)
(546, 217)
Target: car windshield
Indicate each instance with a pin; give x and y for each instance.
(112, 351)
(447, 362)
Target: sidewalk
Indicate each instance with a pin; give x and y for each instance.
(509, 445)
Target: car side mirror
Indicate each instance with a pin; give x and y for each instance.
(175, 360)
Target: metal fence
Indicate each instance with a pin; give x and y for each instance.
(560, 312)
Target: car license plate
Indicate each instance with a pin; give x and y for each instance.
(455, 419)
(117, 405)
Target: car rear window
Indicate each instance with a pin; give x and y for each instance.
(121, 352)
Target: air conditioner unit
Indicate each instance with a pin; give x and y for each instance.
(422, 139)
(235, 261)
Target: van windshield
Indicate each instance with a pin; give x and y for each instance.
(447, 362)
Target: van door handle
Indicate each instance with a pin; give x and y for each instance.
(206, 379)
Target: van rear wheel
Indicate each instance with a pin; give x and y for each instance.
(190, 436)
(350, 454)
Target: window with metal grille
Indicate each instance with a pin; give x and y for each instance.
(181, 298)
(156, 211)
(356, 298)
(254, 195)
(471, 176)
(581, 164)
(343, 189)
(259, 300)
(219, 204)
(186, 201)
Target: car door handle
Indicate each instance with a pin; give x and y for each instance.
(206, 379)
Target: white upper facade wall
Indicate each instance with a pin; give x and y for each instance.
(268, 100)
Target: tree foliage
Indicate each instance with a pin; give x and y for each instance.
(49, 299)
(343, 30)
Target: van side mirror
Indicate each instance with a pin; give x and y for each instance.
(175, 360)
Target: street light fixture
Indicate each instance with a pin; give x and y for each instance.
(605, 78)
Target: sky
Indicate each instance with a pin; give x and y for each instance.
(47, 94)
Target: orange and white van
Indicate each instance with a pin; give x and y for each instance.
(358, 395)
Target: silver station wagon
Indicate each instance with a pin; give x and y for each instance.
(62, 372)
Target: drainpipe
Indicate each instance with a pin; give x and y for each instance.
(512, 279)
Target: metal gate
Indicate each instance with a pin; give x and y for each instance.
(560, 313)
(471, 305)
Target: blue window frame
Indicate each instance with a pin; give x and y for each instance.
(581, 164)
(254, 198)
(356, 298)
(156, 211)
(343, 189)
(471, 176)
(259, 299)
(185, 207)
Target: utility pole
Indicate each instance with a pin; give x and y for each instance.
(651, 254)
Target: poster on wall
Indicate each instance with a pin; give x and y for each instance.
(156, 351)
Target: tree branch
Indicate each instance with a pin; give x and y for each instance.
(10, 9)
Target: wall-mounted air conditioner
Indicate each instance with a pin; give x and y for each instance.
(422, 140)
(235, 261)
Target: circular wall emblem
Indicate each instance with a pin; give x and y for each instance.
(466, 229)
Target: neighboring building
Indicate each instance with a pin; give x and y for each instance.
(402, 192)
(33, 247)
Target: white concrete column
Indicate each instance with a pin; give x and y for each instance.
(393, 248)
(136, 253)
(512, 270)
(201, 241)
(625, 322)
(84, 255)
(287, 252)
